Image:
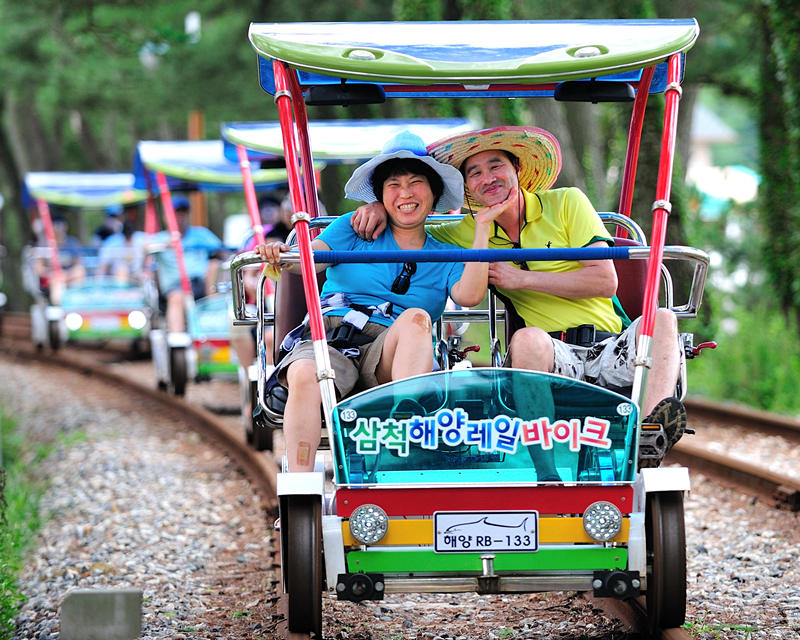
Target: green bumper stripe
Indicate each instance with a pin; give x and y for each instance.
(544, 560)
(89, 334)
(210, 367)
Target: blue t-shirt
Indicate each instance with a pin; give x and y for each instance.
(370, 283)
(197, 243)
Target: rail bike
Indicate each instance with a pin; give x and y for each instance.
(429, 484)
(76, 298)
(334, 142)
(202, 349)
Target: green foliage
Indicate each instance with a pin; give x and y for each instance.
(780, 155)
(757, 362)
(19, 501)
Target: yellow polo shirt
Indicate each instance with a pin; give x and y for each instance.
(557, 218)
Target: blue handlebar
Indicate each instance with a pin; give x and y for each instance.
(474, 255)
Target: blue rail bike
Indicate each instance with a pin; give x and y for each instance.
(199, 348)
(430, 484)
(86, 287)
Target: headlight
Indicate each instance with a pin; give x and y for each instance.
(74, 321)
(602, 521)
(369, 523)
(137, 319)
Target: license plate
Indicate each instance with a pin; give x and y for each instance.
(461, 531)
(105, 323)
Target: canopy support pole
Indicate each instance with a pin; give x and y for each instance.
(661, 210)
(632, 150)
(174, 231)
(284, 98)
(50, 236)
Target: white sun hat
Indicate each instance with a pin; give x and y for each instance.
(407, 145)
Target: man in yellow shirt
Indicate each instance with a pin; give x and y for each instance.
(553, 298)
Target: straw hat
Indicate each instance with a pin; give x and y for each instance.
(538, 152)
(407, 145)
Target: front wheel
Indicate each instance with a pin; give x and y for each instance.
(54, 334)
(178, 370)
(301, 551)
(260, 434)
(666, 560)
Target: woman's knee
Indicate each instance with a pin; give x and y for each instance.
(414, 323)
(302, 374)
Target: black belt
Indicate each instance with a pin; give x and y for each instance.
(583, 336)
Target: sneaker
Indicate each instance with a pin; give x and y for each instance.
(661, 430)
(670, 414)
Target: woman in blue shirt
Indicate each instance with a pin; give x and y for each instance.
(391, 305)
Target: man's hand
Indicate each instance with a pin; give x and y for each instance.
(369, 221)
(490, 213)
(506, 276)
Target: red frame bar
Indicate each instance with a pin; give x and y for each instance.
(283, 100)
(174, 231)
(250, 194)
(309, 176)
(50, 236)
(632, 150)
(424, 502)
(663, 191)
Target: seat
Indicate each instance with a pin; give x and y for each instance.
(290, 305)
(631, 279)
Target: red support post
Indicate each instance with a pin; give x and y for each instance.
(250, 194)
(283, 99)
(632, 151)
(662, 206)
(174, 231)
(50, 237)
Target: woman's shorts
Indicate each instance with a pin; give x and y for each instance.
(355, 373)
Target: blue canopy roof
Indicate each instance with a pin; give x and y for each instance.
(481, 58)
(196, 164)
(80, 189)
(335, 140)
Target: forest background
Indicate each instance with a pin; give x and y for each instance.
(83, 81)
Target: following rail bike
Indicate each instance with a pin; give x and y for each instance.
(77, 293)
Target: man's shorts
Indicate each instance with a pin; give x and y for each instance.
(608, 363)
(356, 373)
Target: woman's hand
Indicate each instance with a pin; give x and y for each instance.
(271, 252)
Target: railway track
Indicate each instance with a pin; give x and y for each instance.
(261, 467)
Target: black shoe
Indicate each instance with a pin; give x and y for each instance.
(669, 418)
(670, 414)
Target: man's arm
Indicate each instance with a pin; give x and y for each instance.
(594, 279)
(369, 221)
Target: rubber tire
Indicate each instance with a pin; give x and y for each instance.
(54, 334)
(302, 562)
(666, 560)
(178, 370)
(260, 436)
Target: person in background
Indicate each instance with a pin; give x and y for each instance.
(202, 251)
(122, 254)
(111, 225)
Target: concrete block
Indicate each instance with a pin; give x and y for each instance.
(101, 614)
